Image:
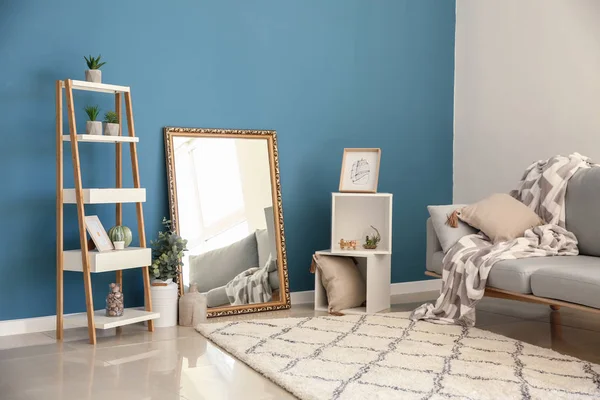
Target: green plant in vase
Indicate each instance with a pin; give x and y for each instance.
(92, 126)
(167, 252)
(111, 123)
(93, 73)
(371, 241)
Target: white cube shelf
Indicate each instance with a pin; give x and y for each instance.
(352, 215)
(376, 270)
(130, 257)
(106, 196)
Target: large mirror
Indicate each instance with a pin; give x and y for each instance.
(225, 199)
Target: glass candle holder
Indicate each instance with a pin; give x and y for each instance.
(114, 301)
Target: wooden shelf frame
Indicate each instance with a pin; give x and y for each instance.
(63, 196)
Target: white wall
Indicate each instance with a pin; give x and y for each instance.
(253, 160)
(527, 86)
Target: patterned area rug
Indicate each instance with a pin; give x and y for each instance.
(387, 356)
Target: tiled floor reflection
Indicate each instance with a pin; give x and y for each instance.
(178, 363)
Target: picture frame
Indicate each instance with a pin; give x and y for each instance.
(98, 233)
(360, 170)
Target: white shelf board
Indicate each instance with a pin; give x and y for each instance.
(353, 253)
(344, 194)
(98, 87)
(113, 260)
(101, 321)
(104, 196)
(102, 138)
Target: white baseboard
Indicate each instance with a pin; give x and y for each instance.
(429, 285)
(44, 324)
(27, 325)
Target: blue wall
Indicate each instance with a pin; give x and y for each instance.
(324, 74)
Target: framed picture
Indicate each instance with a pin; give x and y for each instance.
(98, 234)
(360, 170)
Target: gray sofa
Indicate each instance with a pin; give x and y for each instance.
(571, 279)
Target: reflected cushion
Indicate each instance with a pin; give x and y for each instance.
(264, 247)
(217, 267)
(343, 283)
(446, 234)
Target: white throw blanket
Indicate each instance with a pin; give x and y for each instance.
(467, 264)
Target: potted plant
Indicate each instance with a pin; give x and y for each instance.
(111, 123)
(372, 240)
(167, 253)
(93, 127)
(93, 73)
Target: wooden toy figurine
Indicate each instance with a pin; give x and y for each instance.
(347, 244)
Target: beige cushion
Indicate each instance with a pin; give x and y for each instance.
(342, 281)
(500, 216)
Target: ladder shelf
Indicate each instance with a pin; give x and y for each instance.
(84, 260)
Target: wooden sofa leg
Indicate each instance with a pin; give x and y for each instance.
(555, 307)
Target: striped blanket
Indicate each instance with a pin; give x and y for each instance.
(251, 286)
(467, 264)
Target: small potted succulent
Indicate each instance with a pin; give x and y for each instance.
(372, 240)
(111, 123)
(93, 73)
(120, 233)
(93, 127)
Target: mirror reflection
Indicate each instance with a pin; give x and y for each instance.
(224, 195)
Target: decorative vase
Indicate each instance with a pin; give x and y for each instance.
(164, 301)
(111, 129)
(93, 127)
(114, 301)
(192, 307)
(119, 232)
(93, 75)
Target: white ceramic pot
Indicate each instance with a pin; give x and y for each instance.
(119, 244)
(164, 301)
(93, 75)
(93, 127)
(111, 129)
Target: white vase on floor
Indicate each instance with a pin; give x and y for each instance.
(164, 301)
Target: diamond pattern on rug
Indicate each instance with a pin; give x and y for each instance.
(387, 356)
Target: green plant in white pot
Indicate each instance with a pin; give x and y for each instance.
(93, 73)
(167, 252)
(93, 127)
(111, 123)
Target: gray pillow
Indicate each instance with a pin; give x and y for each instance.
(217, 297)
(447, 235)
(217, 267)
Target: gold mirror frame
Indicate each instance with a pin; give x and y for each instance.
(271, 137)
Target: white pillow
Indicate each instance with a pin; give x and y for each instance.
(447, 235)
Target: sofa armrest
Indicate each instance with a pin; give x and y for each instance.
(433, 245)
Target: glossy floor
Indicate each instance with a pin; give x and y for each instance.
(178, 363)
